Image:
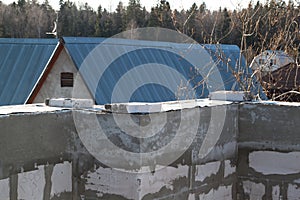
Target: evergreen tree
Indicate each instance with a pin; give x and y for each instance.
(226, 24)
(21, 3)
(107, 24)
(68, 19)
(98, 27)
(161, 16)
(118, 19)
(86, 21)
(202, 8)
(104, 23)
(153, 19)
(134, 15)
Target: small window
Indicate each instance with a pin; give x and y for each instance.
(261, 61)
(66, 79)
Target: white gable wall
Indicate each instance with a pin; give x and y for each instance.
(52, 86)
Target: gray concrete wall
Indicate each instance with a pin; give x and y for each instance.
(42, 157)
(256, 155)
(269, 152)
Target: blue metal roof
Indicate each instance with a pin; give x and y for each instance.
(22, 62)
(122, 70)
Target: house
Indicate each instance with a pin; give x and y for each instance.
(131, 71)
(283, 84)
(163, 84)
(270, 60)
(22, 61)
(57, 79)
(278, 74)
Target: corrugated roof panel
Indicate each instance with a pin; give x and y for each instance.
(144, 60)
(139, 58)
(21, 63)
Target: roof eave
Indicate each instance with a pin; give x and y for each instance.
(50, 64)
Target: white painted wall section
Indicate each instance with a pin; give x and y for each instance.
(31, 184)
(293, 192)
(229, 169)
(61, 179)
(270, 162)
(276, 192)
(133, 185)
(223, 192)
(153, 183)
(191, 197)
(254, 190)
(111, 181)
(4, 189)
(204, 171)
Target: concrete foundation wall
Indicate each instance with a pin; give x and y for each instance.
(42, 157)
(256, 156)
(269, 152)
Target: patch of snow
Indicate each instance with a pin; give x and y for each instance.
(235, 96)
(278, 103)
(70, 103)
(28, 108)
(140, 107)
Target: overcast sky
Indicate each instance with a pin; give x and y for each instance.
(178, 4)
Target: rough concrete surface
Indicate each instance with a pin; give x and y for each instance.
(256, 155)
(268, 154)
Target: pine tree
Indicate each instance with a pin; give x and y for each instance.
(161, 15)
(226, 24)
(98, 27)
(134, 15)
(118, 19)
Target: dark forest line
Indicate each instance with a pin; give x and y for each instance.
(273, 25)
